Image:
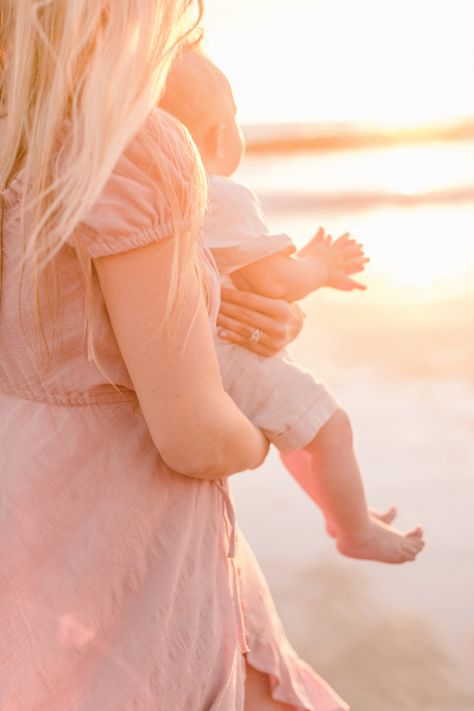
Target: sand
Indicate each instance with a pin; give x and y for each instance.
(388, 638)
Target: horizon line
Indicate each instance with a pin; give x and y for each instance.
(340, 135)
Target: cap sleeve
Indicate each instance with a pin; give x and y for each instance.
(235, 228)
(133, 208)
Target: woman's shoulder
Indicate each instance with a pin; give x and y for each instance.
(155, 176)
(160, 153)
(162, 137)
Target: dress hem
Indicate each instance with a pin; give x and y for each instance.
(294, 682)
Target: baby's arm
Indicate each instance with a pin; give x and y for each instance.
(321, 262)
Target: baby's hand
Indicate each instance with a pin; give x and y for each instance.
(340, 259)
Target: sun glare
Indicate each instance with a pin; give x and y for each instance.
(384, 64)
(419, 247)
(400, 64)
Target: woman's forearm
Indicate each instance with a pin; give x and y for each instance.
(194, 425)
(215, 442)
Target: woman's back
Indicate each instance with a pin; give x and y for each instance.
(104, 602)
(44, 356)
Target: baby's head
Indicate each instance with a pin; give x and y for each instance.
(198, 94)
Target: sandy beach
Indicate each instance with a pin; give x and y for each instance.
(389, 639)
(401, 359)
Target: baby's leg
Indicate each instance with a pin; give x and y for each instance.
(289, 405)
(336, 485)
(300, 465)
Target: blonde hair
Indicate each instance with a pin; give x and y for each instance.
(100, 64)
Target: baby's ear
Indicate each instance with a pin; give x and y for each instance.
(215, 141)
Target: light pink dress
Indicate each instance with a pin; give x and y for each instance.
(119, 587)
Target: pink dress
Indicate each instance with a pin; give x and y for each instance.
(119, 587)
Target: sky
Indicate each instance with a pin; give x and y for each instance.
(404, 62)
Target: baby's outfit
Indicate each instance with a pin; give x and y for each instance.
(276, 394)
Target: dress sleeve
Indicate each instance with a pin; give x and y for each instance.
(235, 228)
(133, 209)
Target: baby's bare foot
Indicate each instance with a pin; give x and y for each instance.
(383, 543)
(385, 516)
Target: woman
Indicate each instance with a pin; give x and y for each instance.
(118, 579)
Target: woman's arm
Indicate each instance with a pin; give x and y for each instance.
(194, 424)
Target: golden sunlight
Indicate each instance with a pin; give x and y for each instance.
(383, 66)
(397, 63)
(424, 246)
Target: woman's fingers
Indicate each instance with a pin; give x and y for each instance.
(243, 312)
(247, 317)
(274, 308)
(257, 348)
(249, 320)
(246, 298)
(239, 333)
(238, 328)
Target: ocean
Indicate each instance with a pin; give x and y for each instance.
(400, 357)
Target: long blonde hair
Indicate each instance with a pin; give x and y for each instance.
(101, 64)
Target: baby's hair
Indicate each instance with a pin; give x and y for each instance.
(194, 84)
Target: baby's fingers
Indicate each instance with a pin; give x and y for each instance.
(353, 284)
(320, 239)
(351, 248)
(319, 236)
(343, 239)
(351, 259)
(355, 269)
(347, 284)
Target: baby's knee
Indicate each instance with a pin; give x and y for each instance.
(341, 422)
(337, 431)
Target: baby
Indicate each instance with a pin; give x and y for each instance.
(297, 413)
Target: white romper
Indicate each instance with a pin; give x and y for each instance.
(277, 395)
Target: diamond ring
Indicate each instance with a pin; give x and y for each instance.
(256, 336)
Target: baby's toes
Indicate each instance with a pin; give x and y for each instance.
(385, 516)
(413, 546)
(389, 514)
(416, 532)
(403, 556)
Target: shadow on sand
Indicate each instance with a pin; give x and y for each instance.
(377, 661)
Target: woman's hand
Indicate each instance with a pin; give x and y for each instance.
(258, 323)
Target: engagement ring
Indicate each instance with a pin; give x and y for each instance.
(256, 336)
